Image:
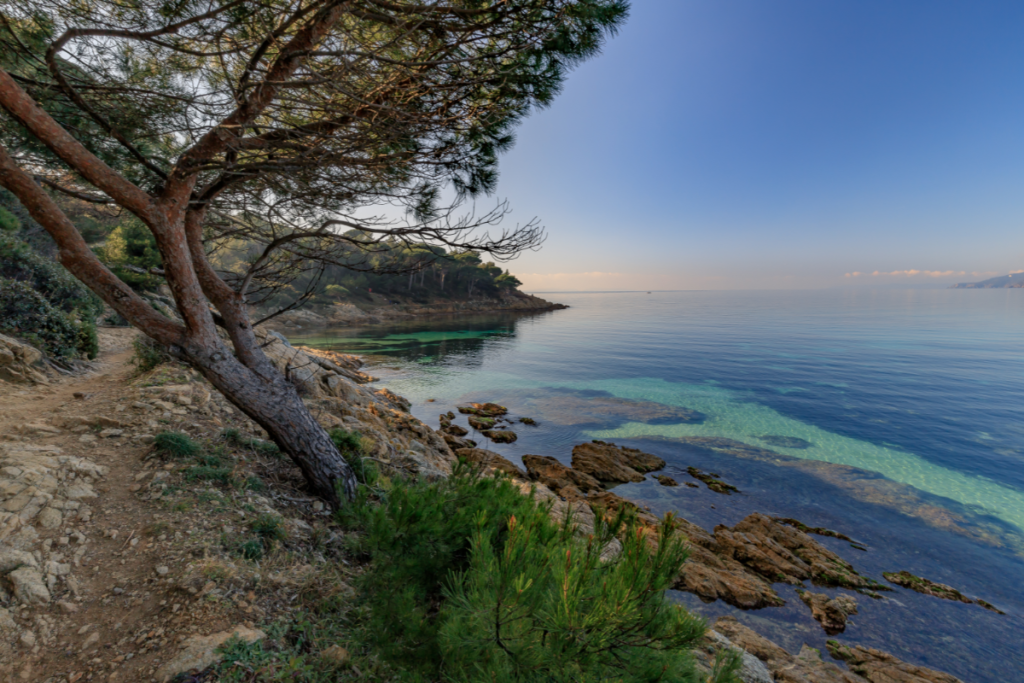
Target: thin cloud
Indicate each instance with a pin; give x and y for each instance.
(909, 273)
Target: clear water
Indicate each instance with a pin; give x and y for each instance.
(909, 405)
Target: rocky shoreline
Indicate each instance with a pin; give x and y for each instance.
(58, 534)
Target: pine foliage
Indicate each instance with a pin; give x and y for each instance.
(470, 580)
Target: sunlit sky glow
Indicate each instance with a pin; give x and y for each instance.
(732, 144)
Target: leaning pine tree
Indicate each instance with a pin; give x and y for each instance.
(275, 123)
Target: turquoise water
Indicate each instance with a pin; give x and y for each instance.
(896, 417)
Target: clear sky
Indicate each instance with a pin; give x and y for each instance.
(735, 144)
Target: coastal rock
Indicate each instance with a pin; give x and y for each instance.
(481, 424)
(666, 480)
(483, 409)
(805, 667)
(712, 481)
(831, 613)
(607, 462)
(783, 553)
(500, 435)
(753, 670)
(490, 461)
(200, 652)
(708, 573)
(456, 430)
(881, 667)
(557, 476)
(938, 590)
(457, 442)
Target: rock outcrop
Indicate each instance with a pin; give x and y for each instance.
(805, 667)
(607, 462)
(20, 363)
(938, 590)
(490, 461)
(830, 612)
(881, 667)
(558, 477)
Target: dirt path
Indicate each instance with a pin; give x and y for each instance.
(106, 564)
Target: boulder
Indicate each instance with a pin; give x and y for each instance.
(881, 667)
(500, 435)
(557, 476)
(483, 409)
(607, 462)
(831, 613)
(28, 586)
(199, 652)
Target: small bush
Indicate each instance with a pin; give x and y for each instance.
(8, 221)
(350, 445)
(221, 475)
(251, 549)
(176, 444)
(148, 354)
(269, 527)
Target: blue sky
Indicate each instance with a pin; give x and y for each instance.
(782, 144)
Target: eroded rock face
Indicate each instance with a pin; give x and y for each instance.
(557, 476)
(880, 667)
(610, 463)
(199, 652)
(20, 363)
(708, 572)
(831, 613)
(783, 553)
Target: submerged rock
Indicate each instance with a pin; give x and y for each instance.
(712, 481)
(831, 613)
(610, 463)
(938, 590)
(600, 409)
(481, 423)
(881, 667)
(785, 441)
(666, 480)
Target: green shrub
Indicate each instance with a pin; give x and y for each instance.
(148, 354)
(8, 221)
(269, 527)
(176, 444)
(26, 313)
(18, 261)
(470, 580)
(350, 445)
(220, 475)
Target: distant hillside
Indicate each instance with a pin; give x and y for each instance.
(1001, 282)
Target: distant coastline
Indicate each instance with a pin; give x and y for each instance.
(1012, 281)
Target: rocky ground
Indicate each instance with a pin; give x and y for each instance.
(120, 563)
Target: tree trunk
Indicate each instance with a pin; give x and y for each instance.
(274, 404)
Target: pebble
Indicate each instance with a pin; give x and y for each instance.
(162, 570)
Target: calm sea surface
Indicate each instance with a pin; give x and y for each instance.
(897, 418)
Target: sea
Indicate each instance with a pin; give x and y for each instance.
(895, 417)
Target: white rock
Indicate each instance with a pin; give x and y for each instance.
(28, 586)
